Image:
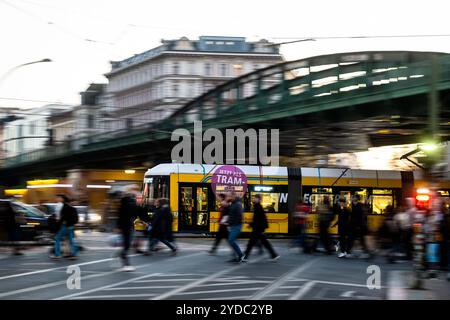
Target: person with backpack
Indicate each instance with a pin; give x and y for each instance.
(259, 225)
(68, 218)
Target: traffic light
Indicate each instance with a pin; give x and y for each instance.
(423, 198)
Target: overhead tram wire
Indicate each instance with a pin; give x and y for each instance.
(310, 38)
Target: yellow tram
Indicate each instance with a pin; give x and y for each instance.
(195, 209)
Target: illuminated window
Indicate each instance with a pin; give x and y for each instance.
(269, 201)
(322, 190)
(380, 203)
(381, 191)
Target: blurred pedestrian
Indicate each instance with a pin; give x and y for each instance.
(325, 213)
(10, 222)
(358, 226)
(161, 230)
(392, 233)
(222, 233)
(127, 213)
(259, 225)
(300, 216)
(235, 226)
(343, 223)
(68, 218)
(434, 236)
(404, 222)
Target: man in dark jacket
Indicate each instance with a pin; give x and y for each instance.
(235, 226)
(343, 223)
(68, 218)
(358, 226)
(162, 226)
(259, 225)
(127, 213)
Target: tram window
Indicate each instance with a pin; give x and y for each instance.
(363, 195)
(318, 199)
(202, 199)
(157, 187)
(269, 201)
(187, 201)
(380, 202)
(381, 191)
(322, 190)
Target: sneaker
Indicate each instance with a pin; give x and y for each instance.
(234, 260)
(127, 268)
(52, 256)
(342, 255)
(274, 259)
(174, 252)
(244, 258)
(72, 257)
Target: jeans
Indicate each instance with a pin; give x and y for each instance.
(65, 231)
(232, 236)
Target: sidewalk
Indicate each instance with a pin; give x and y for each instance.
(400, 283)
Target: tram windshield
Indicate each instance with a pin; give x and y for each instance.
(154, 188)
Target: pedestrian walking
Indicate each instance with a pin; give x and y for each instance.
(161, 230)
(404, 222)
(235, 226)
(222, 233)
(343, 223)
(259, 225)
(358, 226)
(127, 213)
(302, 210)
(325, 213)
(68, 218)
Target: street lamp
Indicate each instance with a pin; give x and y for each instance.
(22, 65)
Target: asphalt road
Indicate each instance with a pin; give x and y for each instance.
(190, 275)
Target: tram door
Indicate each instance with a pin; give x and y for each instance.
(194, 211)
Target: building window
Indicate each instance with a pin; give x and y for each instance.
(90, 121)
(192, 68)
(176, 68)
(208, 69)
(175, 89)
(32, 129)
(224, 69)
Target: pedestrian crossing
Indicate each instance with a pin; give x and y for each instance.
(242, 287)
